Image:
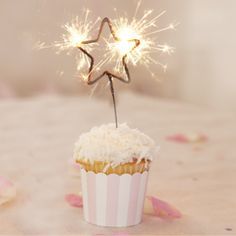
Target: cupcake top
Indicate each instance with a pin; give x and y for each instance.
(113, 145)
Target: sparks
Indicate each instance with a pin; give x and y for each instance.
(145, 30)
(132, 41)
(75, 32)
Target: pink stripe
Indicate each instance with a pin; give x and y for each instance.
(133, 199)
(91, 178)
(112, 199)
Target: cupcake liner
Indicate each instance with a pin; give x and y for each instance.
(113, 200)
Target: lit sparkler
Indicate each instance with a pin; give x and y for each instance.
(145, 30)
(76, 32)
(133, 42)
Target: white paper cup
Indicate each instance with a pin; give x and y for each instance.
(113, 200)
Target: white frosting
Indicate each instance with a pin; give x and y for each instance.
(114, 145)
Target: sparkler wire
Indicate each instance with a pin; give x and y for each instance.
(109, 74)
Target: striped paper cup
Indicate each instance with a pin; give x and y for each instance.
(113, 200)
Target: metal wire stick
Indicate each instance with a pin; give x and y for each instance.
(113, 98)
(91, 80)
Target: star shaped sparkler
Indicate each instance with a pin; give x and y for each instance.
(110, 75)
(134, 42)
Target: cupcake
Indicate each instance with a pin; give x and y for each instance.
(114, 163)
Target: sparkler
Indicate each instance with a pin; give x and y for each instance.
(145, 30)
(133, 42)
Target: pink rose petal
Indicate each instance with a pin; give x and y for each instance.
(74, 200)
(7, 190)
(188, 138)
(163, 209)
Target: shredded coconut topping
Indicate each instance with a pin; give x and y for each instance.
(113, 145)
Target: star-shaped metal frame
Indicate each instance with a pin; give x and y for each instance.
(110, 75)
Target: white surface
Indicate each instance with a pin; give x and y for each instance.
(37, 138)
